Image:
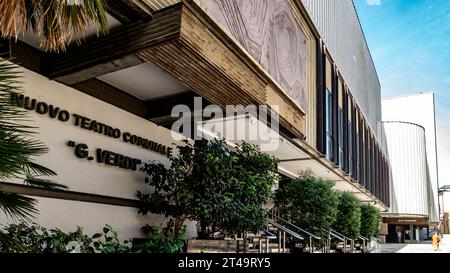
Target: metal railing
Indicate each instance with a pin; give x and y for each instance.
(267, 236)
(285, 229)
(346, 239)
(364, 241)
(282, 232)
(334, 235)
(304, 232)
(331, 236)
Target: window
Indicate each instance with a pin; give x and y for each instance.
(350, 137)
(341, 124)
(329, 111)
(329, 122)
(357, 146)
(362, 149)
(369, 161)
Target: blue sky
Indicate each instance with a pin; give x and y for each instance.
(410, 44)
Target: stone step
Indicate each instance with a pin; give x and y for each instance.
(276, 250)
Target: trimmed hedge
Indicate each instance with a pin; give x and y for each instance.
(370, 220)
(348, 220)
(310, 203)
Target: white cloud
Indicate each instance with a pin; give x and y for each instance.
(373, 2)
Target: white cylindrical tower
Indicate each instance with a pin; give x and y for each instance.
(406, 147)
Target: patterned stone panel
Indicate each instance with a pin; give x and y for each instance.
(268, 30)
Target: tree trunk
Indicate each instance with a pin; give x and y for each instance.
(203, 233)
(179, 221)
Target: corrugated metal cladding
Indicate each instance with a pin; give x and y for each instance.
(338, 24)
(407, 156)
(419, 109)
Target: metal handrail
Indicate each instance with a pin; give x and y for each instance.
(343, 236)
(285, 229)
(300, 229)
(352, 241)
(334, 235)
(264, 235)
(363, 238)
(364, 242)
(269, 235)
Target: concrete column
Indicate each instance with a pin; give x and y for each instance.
(411, 233)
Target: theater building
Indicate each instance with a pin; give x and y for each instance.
(410, 129)
(104, 106)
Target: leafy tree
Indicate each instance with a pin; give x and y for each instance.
(222, 189)
(370, 220)
(171, 195)
(348, 220)
(55, 22)
(18, 149)
(309, 202)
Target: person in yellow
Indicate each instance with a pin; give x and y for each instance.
(436, 240)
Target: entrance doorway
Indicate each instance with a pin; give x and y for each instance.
(396, 234)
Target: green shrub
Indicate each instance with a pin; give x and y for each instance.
(223, 189)
(107, 241)
(23, 238)
(33, 238)
(310, 203)
(348, 220)
(160, 242)
(370, 220)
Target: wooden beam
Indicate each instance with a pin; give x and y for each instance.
(125, 11)
(68, 195)
(22, 54)
(116, 51)
(406, 220)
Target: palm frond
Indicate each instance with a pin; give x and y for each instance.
(17, 148)
(33, 168)
(18, 207)
(54, 21)
(43, 183)
(13, 17)
(16, 152)
(96, 11)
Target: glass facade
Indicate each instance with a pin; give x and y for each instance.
(350, 136)
(329, 124)
(340, 123)
(345, 136)
(341, 137)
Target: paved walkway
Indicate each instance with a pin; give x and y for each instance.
(413, 248)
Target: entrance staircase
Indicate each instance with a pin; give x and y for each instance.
(282, 236)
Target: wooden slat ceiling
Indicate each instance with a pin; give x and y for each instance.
(153, 5)
(116, 51)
